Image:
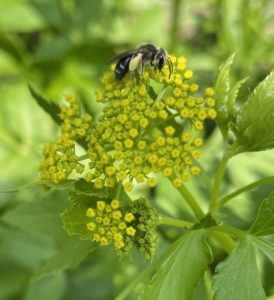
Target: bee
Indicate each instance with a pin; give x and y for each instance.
(145, 54)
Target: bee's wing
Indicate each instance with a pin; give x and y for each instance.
(121, 55)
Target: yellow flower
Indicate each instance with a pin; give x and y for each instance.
(91, 213)
(115, 204)
(129, 217)
(151, 182)
(131, 231)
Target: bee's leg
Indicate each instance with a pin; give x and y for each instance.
(134, 63)
(142, 68)
(132, 76)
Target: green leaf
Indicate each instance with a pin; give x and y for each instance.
(222, 88)
(254, 127)
(26, 249)
(19, 16)
(231, 99)
(43, 217)
(82, 187)
(264, 223)
(53, 285)
(180, 273)
(238, 277)
(75, 219)
(265, 247)
(49, 107)
(13, 279)
(70, 253)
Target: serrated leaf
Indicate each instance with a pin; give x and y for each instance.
(238, 277)
(265, 247)
(88, 188)
(180, 273)
(75, 220)
(49, 107)
(222, 88)
(231, 99)
(254, 128)
(264, 223)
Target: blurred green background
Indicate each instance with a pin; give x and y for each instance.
(63, 46)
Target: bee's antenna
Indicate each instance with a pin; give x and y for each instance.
(170, 65)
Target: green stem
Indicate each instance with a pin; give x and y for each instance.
(191, 202)
(175, 24)
(175, 222)
(246, 188)
(224, 240)
(233, 231)
(83, 157)
(217, 183)
(208, 284)
(118, 190)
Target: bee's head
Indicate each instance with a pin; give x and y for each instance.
(160, 58)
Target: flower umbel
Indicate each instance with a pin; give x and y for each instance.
(125, 227)
(139, 133)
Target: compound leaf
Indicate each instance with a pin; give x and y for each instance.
(222, 88)
(264, 223)
(238, 277)
(181, 271)
(254, 127)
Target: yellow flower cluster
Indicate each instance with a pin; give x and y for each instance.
(108, 223)
(60, 158)
(148, 126)
(124, 226)
(145, 135)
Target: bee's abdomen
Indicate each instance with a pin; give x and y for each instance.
(121, 67)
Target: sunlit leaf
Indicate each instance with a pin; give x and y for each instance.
(254, 128)
(265, 247)
(180, 273)
(49, 107)
(238, 277)
(264, 223)
(222, 88)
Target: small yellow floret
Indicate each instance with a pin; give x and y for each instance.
(91, 226)
(101, 205)
(91, 213)
(131, 231)
(129, 217)
(115, 204)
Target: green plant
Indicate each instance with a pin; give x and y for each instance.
(150, 129)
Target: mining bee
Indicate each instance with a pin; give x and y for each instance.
(145, 54)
